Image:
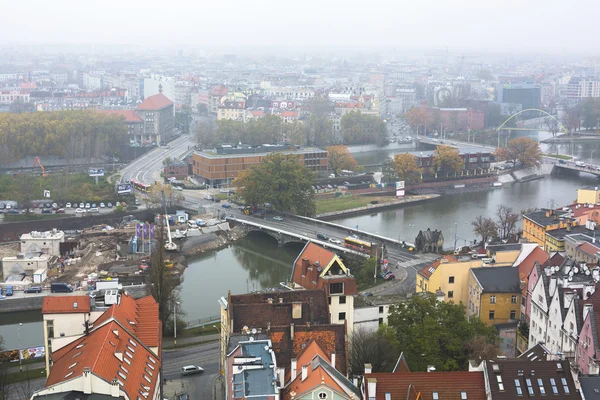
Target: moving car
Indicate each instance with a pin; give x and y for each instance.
(79, 211)
(277, 218)
(60, 211)
(322, 236)
(208, 197)
(34, 289)
(93, 210)
(191, 370)
(226, 205)
(335, 241)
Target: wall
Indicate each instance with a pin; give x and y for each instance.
(460, 271)
(588, 196)
(335, 308)
(29, 265)
(585, 349)
(369, 319)
(506, 258)
(502, 308)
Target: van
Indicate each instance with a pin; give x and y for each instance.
(580, 163)
(60, 287)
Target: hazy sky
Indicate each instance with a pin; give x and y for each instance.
(557, 25)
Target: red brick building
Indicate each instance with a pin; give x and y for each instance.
(457, 119)
(176, 169)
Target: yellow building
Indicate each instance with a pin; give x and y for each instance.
(448, 275)
(588, 195)
(504, 255)
(537, 223)
(494, 295)
(232, 109)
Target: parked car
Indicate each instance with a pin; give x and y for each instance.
(79, 211)
(88, 205)
(191, 370)
(226, 205)
(278, 218)
(9, 291)
(60, 211)
(94, 205)
(46, 211)
(322, 236)
(200, 222)
(102, 205)
(68, 205)
(60, 287)
(54, 205)
(94, 210)
(123, 204)
(208, 197)
(81, 205)
(388, 276)
(34, 289)
(109, 205)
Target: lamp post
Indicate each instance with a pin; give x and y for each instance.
(19, 339)
(592, 157)
(418, 125)
(441, 131)
(175, 322)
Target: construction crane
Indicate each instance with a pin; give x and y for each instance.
(38, 162)
(169, 246)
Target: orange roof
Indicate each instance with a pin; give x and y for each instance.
(156, 102)
(130, 115)
(588, 248)
(431, 268)
(66, 304)
(289, 113)
(110, 352)
(218, 91)
(537, 255)
(140, 317)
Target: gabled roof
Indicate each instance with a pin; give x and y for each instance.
(219, 90)
(539, 352)
(156, 102)
(66, 304)
(129, 115)
(537, 255)
(110, 352)
(588, 248)
(498, 279)
(140, 317)
(448, 385)
(431, 268)
(590, 387)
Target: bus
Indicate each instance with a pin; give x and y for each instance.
(358, 245)
(142, 187)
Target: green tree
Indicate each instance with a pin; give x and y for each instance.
(447, 160)
(183, 119)
(202, 109)
(493, 115)
(376, 348)
(340, 158)
(485, 75)
(406, 168)
(430, 332)
(281, 180)
(358, 128)
(206, 134)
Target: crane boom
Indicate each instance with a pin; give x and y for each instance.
(38, 162)
(169, 246)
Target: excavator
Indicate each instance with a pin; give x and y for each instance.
(38, 162)
(169, 246)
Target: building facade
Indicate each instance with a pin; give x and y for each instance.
(494, 295)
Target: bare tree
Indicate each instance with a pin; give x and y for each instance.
(479, 348)
(507, 220)
(552, 125)
(374, 348)
(485, 227)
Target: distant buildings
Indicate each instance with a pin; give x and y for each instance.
(529, 95)
(581, 88)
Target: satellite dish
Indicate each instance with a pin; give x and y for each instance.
(254, 331)
(570, 278)
(576, 270)
(587, 272)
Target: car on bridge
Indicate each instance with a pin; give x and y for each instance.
(335, 241)
(322, 236)
(277, 218)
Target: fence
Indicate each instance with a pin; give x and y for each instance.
(203, 321)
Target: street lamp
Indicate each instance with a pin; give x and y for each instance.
(19, 339)
(441, 131)
(175, 304)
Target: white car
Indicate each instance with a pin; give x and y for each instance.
(335, 241)
(88, 205)
(68, 205)
(208, 197)
(81, 205)
(277, 218)
(102, 205)
(80, 211)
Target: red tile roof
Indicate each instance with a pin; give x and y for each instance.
(140, 317)
(537, 255)
(588, 248)
(218, 91)
(66, 304)
(448, 385)
(130, 115)
(431, 268)
(110, 352)
(156, 102)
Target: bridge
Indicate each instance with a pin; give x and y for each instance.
(571, 166)
(457, 144)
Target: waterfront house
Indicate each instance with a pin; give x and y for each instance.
(429, 241)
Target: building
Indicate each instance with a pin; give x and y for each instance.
(134, 124)
(429, 241)
(582, 248)
(537, 223)
(8, 95)
(448, 276)
(370, 313)
(529, 95)
(503, 255)
(525, 267)
(494, 295)
(509, 379)
(588, 195)
(313, 376)
(581, 88)
(556, 239)
(14, 267)
(475, 161)
(42, 242)
(214, 98)
(176, 169)
(155, 84)
(224, 164)
(251, 371)
(157, 113)
(232, 109)
(318, 268)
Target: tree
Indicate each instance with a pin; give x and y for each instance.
(406, 168)
(375, 348)
(183, 119)
(358, 128)
(571, 119)
(283, 181)
(485, 75)
(202, 109)
(589, 109)
(521, 150)
(485, 227)
(447, 160)
(482, 348)
(19, 106)
(206, 135)
(319, 131)
(493, 115)
(507, 220)
(430, 332)
(417, 116)
(551, 125)
(340, 158)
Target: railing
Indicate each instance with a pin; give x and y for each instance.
(204, 321)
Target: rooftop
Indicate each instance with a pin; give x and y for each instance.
(253, 369)
(129, 115)
(431, 268)
(66, 304)
(494, 248)
(545, 217)
(498, 279)
(258, 152)
(35, 235)
(156, 102)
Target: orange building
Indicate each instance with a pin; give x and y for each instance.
(222, 165)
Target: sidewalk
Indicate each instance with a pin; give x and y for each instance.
(188, 341)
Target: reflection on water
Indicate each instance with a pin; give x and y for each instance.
(29, 334)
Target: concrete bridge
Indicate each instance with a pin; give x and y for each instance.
(461, 146)
(571, 166)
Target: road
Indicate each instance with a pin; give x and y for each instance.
(147, 168)
(197, 386)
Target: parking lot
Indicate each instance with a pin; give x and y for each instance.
(65, 208)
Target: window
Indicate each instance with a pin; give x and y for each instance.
(380, 321)
(518, 387)
(565, 386)
(463, 395)
(513, 314)
(500, 383)
(380, 309)
(322, 396)
(553, 384)
(451, 279)
(513, 299)
(492, 299)
(541, 385)
(451, 294)
(336, 288)
(492, 314)
(342, 299)
(50, 325)
(435, 396)
(329, 300)
(342, 316)
(529, 386)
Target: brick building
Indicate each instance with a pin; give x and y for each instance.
(458, 119)
(176, 169)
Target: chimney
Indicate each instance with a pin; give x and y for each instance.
(114, 388)
(586, 309)
(372, 388)
(555, 217)
(282, 376)
(368, 368)
(333, 360)
(281, 300)
(568, 227)
(294, 366)
(292, 332)
(87, 380)
(304, 372)
(305, 266)
(548, 213)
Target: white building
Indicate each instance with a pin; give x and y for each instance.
(370, 318)
(42, 242)
(156, 83)
(28, 264)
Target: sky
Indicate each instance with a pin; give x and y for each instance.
(556, 25)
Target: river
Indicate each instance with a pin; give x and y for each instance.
(257, 263)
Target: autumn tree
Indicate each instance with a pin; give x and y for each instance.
(485, 227)
(283, 181)
(206, 135)
(417, 116)
(446, 160)
(340, 158)
(571, 119)
(507, 220)
(521, 150)
(406, 168)
(358, 128)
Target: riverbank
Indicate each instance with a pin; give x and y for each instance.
(370, 208)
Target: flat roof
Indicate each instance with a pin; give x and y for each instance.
(213, 155)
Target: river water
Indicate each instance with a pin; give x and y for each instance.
(257, 262)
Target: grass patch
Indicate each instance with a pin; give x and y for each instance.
(348, 202)
(179, 346)
(25, 375)
(202, 330)
(559, 156)
(222, 196)
(31, 217)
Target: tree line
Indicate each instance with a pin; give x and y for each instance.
(66, 134)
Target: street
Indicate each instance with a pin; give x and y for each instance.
(199, 387)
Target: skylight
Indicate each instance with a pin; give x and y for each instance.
(72, 365)
(518, 387)
(435, 396)
(69, 374)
